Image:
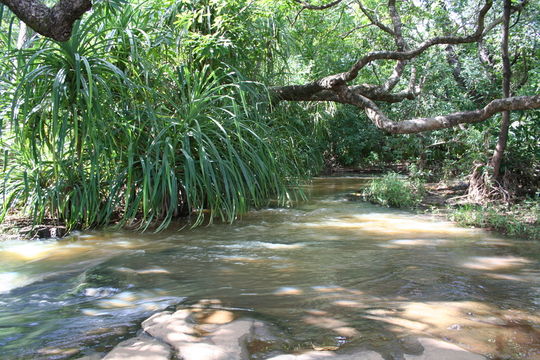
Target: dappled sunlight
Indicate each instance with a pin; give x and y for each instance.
(115, 303)
(28, 250)
(342, 297)
(400, 243)
(324, 322)
(495, 242)
(346, 331)
(440, 315)
(251, 245)
(328, 289)
(479, 326)
(507, 277)
(54, 352)
(143, 271)
(141, 348)
(390, 224)
(321, 319)
(13, 280)
(242, 259)
(348, 303)
(434, 349)
(494, 263)
(94, 312)
(316, 312)
(288, 290)
(62, 250)
(218, 317)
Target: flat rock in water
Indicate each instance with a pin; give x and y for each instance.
(441, 350)
(330, 355)
(224, 342)
(233, 338)
(433, 350)
(140, 348)
(229, 341)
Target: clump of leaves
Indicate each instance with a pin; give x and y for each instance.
(393, 190)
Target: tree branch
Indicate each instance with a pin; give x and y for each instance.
(56, 22)
(396, 21)
(373, 20)
(308, 6)
(340, 79)
(337, 80)
(445, 121)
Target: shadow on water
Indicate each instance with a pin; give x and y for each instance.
(329, 273)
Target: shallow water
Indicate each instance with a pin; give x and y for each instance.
(328, 272)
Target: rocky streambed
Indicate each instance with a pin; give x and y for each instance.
(330, 278)
(207, 332)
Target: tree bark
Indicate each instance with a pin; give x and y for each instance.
(56, 22)
(418, 125)
(498, 154)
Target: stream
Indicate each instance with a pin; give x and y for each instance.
(329, 271)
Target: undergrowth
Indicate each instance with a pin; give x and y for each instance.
(393, 190)
(519, 220)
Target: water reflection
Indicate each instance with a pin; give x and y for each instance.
(330, 272)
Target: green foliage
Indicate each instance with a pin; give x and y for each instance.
(119, 126)
(155, 109)
(353, 140)
(520, 220)
(394, 191)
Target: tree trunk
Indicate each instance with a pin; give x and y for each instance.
(24, 39)
(56, 22)
(498, 154)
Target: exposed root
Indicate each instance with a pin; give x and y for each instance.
(483, 187)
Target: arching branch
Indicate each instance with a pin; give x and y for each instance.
(337, 80)
(335, 87)
(444, 121)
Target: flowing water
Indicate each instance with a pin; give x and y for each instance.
(328, 272)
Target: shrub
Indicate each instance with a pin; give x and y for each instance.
(119, 126)
(394, 191)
